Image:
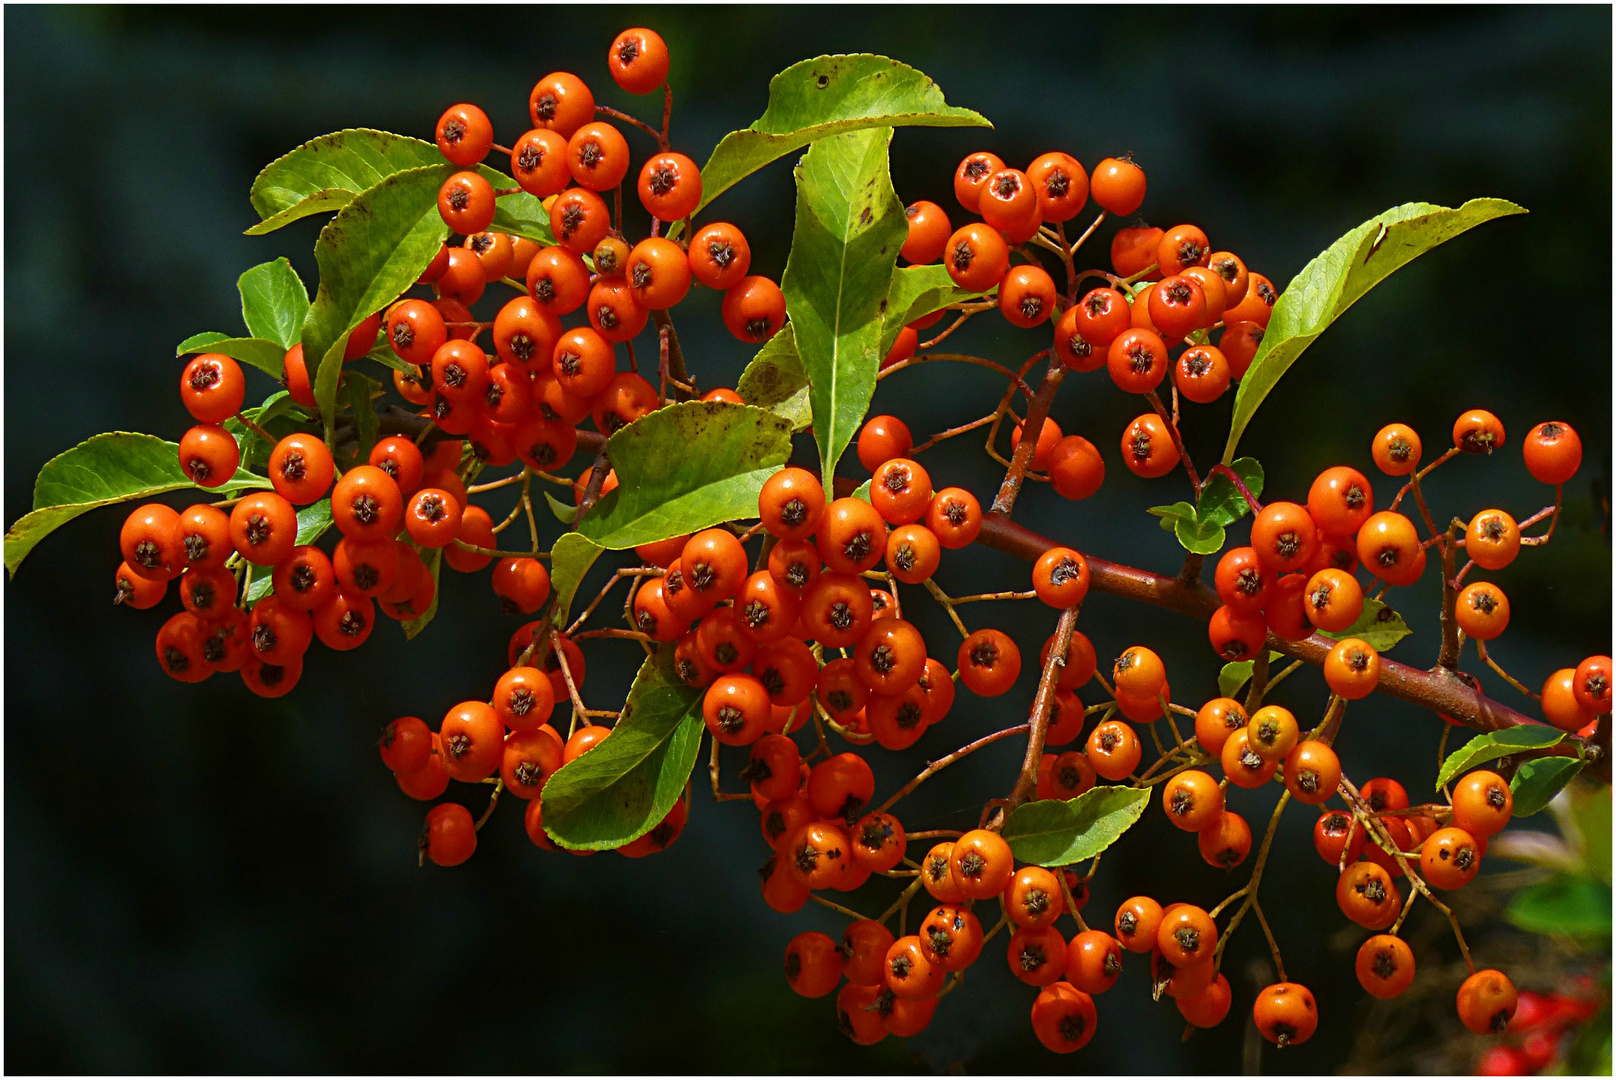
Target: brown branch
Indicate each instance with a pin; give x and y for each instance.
(676, 355)
(1037, 413)
(1041, 706)
(935, 767)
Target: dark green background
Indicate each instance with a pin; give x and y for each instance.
(202, 881)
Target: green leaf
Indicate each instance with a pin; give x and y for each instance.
(433, 560)
(775, 380)
(1496, 744)
(625, 786)
(1537, 780)
(564, 513)
(1170, 515)
(382, 354)
(1221, 501)
(273, 302)
(1057, 832)
(1590, 814)
(849, 228)
(518, 214)
(312, 522)
(1199, 537)
(267, 356)
(1378, 625)
(373, 250)
(1337, 278)
(198, 343)
(827, 96)
(916, 292)
(686, 467)
(358, 394)
(1570, 906)
(571, 556)
(323, 175)
(863, 492)
(105, 469)
(1235, 675)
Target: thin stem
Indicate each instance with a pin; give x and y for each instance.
(1178, 441)
(1554, 520)
(903, 899)
(1042, 705)
(948, 605)
(1378, 833)
(496, 553)
(1239, 485)
(1037, 413)
(949, 433)
(494, 485)
(1481, 648)
(627, 119)
(493, 801)
(255, 429)
(934, 767)
(1088, 232)
(834, 906)
(975, 597)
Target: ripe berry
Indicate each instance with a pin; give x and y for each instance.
(464, 135)
(1061, 577)
(450, 834)
(263, 528)
(1225, 843)
(1216, 721)
(301, 468)
(981, 864)
(1385, 966)
(1061, 184)
(1193, 801)
(1352, 669)
(1493, 539)
(1486, 1002)
(1026, 295)
(1201, 374)
(638, 61)
(1553, 452)
(212, 387)
(1147, 448)
(578, 220)
(989, 663)
(1367, 895)
(754, 309)
(1137, 361)
(928, 233)
(1449, 858)
(1114, 750)
(977, 258)
(1312, 772)
(1284, 536)
(1332, 600)
(466, 204)
(1340, 501)
(1076, 469)
(209, 455)
(1118, 185)
(670, 186)
(1048, 435)
(1478, 432)
(1482, 803)
(1285, 1014)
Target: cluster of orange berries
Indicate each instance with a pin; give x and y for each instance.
(893, 983)
(1187, 290)
(1297, 574)
(389, 510)
(544, 376)
(510, 737)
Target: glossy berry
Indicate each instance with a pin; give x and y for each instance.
(638, 61)
(1118, 185)
(1553, 452)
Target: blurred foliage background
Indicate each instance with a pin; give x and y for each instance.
(201, 881)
